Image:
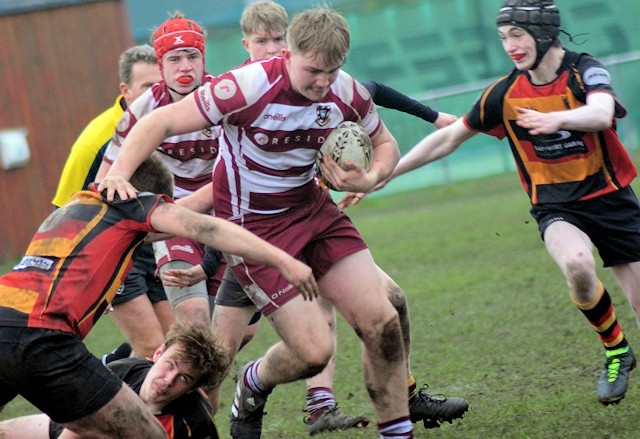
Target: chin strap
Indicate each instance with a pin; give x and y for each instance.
(183, 94)
(572, 38)
(539, 57)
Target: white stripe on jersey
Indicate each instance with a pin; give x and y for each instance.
(190, 157)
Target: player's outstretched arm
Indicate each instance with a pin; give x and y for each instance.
(435, 146)
(231, 238)
(391, 98)
(444, 119)
(200, 201)
(145, 136)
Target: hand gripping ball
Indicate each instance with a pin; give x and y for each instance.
(347, 142)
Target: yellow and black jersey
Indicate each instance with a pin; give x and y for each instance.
(567, 165)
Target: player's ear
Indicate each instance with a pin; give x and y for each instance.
(158, 352)
(124, 89)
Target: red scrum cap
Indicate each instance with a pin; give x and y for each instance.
(175, 33)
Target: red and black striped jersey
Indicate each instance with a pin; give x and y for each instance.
(568, 165)
(75, 263)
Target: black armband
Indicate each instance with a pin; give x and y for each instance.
(388, 97)
(210, 261)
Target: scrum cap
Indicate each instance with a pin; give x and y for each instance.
(541, 18)
(176, 33)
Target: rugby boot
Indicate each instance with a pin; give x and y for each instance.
(332, 419)
(247, 410)
(614, 378)
(434, 410)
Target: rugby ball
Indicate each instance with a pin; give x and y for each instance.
(347, 141)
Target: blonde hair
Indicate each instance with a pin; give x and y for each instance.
(320, 31)
(264, 15)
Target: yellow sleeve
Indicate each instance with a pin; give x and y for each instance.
(84, 151)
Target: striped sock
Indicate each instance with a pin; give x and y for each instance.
(252, 381)
(319, 399)
(413, 387)
(400, 428)
(602, 317)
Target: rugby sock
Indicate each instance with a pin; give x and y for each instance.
(413, 387)
(319, 399)
(400, 428)
(252, 381)
(602, 317)
(122, 351)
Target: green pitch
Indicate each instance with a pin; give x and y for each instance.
(491, 322)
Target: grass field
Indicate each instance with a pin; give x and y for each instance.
(491, 322)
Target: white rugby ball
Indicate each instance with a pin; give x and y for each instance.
(348, 141)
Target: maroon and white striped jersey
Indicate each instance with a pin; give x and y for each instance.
(271, 135)
(189, 156)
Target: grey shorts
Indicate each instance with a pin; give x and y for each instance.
(231, 294)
